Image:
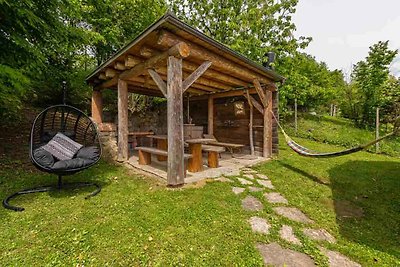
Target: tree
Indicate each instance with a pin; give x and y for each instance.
(370, 76)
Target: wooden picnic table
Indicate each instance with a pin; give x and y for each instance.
(162, 143)
(135, 135)
(195, 163)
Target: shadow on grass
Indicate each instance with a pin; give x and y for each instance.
(367, 203)
(13, 180)
(303, 173)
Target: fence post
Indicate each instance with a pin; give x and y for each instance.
(377, 130)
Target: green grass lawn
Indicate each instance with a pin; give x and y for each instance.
(135, 220)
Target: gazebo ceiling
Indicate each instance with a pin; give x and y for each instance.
(169, 36)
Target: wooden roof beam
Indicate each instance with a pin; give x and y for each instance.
(211, 74)
(167, 39)
(179, 50)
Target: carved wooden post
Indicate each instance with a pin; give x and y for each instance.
(97, 107)
(210, 115)
(250, 123)
(122, 120)
(176, 173)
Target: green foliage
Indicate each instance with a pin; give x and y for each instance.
(370, 77)
(13, 88)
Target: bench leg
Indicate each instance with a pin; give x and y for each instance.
(212, 159)
(163, 145)
(144, 158)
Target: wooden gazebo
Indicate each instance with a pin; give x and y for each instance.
(170, 59)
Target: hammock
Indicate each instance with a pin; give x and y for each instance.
(303, 151)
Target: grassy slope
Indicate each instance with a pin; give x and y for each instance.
(341, 132)
(327, 188)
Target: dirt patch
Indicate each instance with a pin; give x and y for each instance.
(347, 209)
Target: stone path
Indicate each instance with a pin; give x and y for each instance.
(273, 254)
(319, 235)
(275, 198)
(293, 214)
(286, 233)
(252, 204)
(259, 225)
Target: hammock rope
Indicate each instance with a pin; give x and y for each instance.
(303, 151)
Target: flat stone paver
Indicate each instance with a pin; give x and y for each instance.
(266, 183)
(286, 233)
(293, 214)
(255, 189)
(262, 176)
(247, 170)
(275, 198)
(338, 260)
(259, 225)
(244, 181)
(238, 190)
(273, 254)
(249, 176)
(224, 180)
(319, 235)
(252, 204)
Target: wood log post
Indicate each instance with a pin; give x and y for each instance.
(176, 167)
(267, 143)
(250, 124)
(122, 121)
(97, 107)
(210, 115)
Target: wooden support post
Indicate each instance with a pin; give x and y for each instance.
(122, 121)
(210, 115)
(97, 107)
(176, 167)
(295, 115)
(250, 124)
(377, 130)
(267, 144)
(144, 158)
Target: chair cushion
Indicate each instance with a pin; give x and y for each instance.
(90, 152)
(70, 164)
(62, 147)
(43, 157)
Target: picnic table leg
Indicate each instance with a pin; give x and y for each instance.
(163, 145)
(213, 159)
(196, 162)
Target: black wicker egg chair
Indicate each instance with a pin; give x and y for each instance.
(74, 124)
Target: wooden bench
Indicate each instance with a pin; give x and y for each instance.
(146, 152)
(213, 154)
(230, 146)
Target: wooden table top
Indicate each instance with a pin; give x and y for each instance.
(199, 141)
(140, 133)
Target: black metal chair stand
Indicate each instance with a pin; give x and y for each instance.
(73, 123)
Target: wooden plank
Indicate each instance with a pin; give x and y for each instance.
(260, 92)
(122, 120)
(231, 93)
(97, 107)
(159, 81)
(210, 115)
(176, 167)
(168, 39)
(267, 146)
(250, 123)
(180, 50)
(195, 75)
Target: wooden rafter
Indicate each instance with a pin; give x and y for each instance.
(195, 75)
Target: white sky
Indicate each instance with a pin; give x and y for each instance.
(343, 30)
